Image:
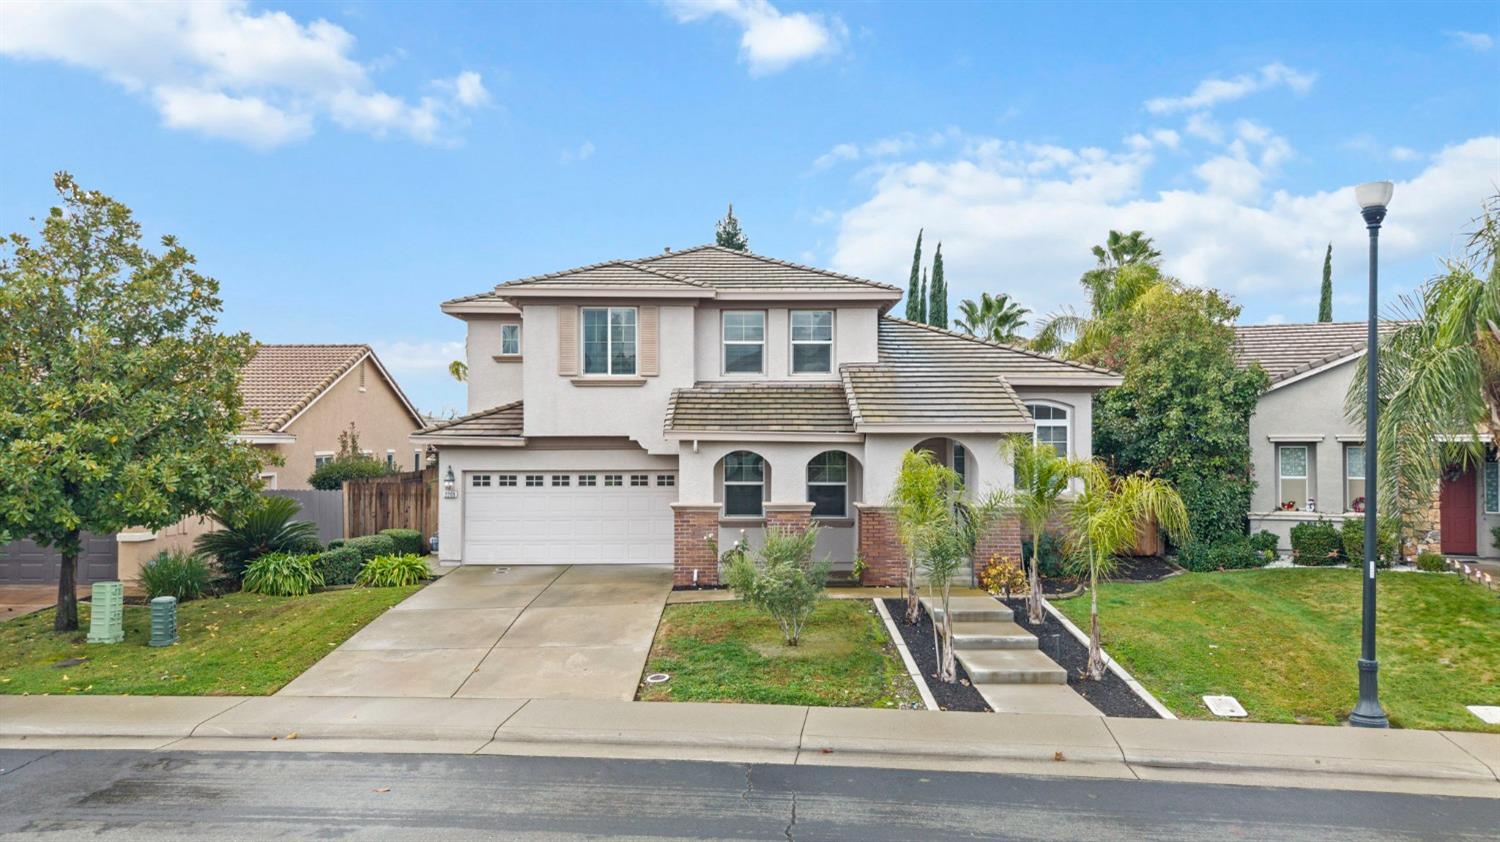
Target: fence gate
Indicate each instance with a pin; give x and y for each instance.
(400, 501)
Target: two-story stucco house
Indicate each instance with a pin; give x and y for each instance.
(1308, 459)
(636, 411)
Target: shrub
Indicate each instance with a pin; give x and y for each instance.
(335, 543)
(1267, 543)
(1353, 536)
(263, 528)
(1232, 552)
(371, 546)
(282, 574)
(408, 541)
(331, 475)
(392, 571)
(782, 579)
(1495, 536)
(1432, 562)
(339, 565)
(1003, 576)
(1317, 542)
(1053, 559)
(174, 573)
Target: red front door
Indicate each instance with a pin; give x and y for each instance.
(1459, 498)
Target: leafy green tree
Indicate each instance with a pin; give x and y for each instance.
(782, 579)
(1325, 297)
(1042, 478)
(916, 295)
(727, 232)
(998, 319)
(1183, 412)
(937, 306)
(1439, 376)
(1123, 283)
(1103, 522)
(119, 398)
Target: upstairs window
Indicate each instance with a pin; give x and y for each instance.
(812, 341)
(828, 484)
(609, 340)
(510, 340)
(1052, 426)
(744, 342)
(744, 484)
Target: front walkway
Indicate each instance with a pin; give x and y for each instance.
(554, 632)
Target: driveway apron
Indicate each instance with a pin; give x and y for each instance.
(562, 632)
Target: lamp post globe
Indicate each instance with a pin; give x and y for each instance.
(1373, 199)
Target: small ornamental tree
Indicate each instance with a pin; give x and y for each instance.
(1042, 478)
(727, 233)
(781, 578)
(349, 463)
(119, 398)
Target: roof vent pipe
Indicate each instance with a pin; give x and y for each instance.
(666, 250)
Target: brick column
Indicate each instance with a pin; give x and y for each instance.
(1003, 537)
(788, 517)
(880, 547)
(693, 526)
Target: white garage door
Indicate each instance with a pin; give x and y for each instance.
(601, 517)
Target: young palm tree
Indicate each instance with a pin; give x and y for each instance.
(1439, 373)
(922, 501)
(1042, 478)
(1103, 522)
(1127, 274)
(998, 319)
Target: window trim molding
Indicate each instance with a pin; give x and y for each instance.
(793, 342)
(609, 345)
(1492, 462)
(1066, 423)
(509, 355)
(808, 485)
(765, 321)
(1306, 478)
(1349, 500)
(725, 482)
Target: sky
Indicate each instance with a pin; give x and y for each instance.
(342, 168)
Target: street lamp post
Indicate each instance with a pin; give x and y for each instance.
(1373, 199)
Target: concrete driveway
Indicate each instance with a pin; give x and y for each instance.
(568, 632)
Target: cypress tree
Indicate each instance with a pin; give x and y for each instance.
(914, 293)
(937, 305)
(921, 315)
(1325, 302)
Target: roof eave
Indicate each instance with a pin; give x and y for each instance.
(761, 435)
(808, 294)
(1297, 377)
(491, 307)
(1085, 381)
(948, 428)
(468, 441)
(599, 291)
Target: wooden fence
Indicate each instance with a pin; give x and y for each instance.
(400, 501)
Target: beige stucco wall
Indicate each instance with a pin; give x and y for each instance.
(492, 382)
(1311, 411)
(855, 332)
(378, 414)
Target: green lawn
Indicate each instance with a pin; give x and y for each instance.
(240, 644)
(729, 652)
(1284, 642)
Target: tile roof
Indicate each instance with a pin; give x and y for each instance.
(902, 341)
(727, 269)
(504, 420)
(281, 380)
(1285, 351)
(760, 407)
(615, 273)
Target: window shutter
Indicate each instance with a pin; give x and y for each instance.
(647, 352)
(567, 340)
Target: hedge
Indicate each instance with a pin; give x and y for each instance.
(1353, 535)
(339, 566)
(1317, 543)
(408, 541)
(371, 546)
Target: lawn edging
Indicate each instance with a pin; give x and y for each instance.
(906, 658)
(1111, 663)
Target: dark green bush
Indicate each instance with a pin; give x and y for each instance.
(408, 541)
(370, 546)
(1266, 543)
(1317, 543)
(332, 475)
(1232, 552)
(174, 573)
(339, 565)
(282, 574)
(265, 527)
(1053, 558)
(1353, 536)
(335, 543)
(393, 571)
(1432, 562)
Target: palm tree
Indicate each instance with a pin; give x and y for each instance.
(1042, 477)
(1126, 276)
(1103, 522)
(998, 319)
(1439, 374)
(922, 501)
(265, 528)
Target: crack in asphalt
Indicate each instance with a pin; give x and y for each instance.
(793, 822)
(4, 772)
(745, 796)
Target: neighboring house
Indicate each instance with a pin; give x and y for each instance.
(1306, 455)
(298, 399)
(640, 411)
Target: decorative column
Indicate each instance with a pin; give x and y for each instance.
(880, 547)
(695, 530)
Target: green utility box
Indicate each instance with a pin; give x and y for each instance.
(163, 621)
(107, 613)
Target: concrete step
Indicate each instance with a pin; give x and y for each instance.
(969, 609)
(1010, 666)
(991, 635)
(1036, 698)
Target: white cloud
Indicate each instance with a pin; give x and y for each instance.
(1202, 126)
(1021, 219)
(886, 147)
(771, 40)
(1166, 137)
(221, 69)
(584, 152)
(1211, 92)
(1479, 42)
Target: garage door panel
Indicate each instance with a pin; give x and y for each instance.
(568, 524)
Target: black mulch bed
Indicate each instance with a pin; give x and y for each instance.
(959, 695)
(1110, 694)
(1147, 569)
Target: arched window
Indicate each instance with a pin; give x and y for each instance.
(744, 484)
(828, 484)
(1052, 426)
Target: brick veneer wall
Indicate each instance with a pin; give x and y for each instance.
(1002, 537)
(692, 526)
(796, 517)
(880, 547)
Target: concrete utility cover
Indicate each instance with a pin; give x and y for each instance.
(1489, 713)
(1224, 706)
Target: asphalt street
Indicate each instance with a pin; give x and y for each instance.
(246, 795)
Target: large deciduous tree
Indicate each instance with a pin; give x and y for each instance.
(119, 398)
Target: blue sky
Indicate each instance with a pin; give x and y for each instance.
(342, 168)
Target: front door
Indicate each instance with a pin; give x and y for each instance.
(1458, 498)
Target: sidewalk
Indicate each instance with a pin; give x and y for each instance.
(1423, 762)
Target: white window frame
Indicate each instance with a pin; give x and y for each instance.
(562, 480)
(725, 342)
(322, 457)
(614, 480)
(479, 480)
(1348, 497)
(609, 342)
(1306, 478)
(269, 478)
(791, 331)
(666, 480)
(761, 484)
(588, 480)
(505, 480)
(514, 328)
(535, 481)
(1066, 423)
(844, 515)
(640, 480)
